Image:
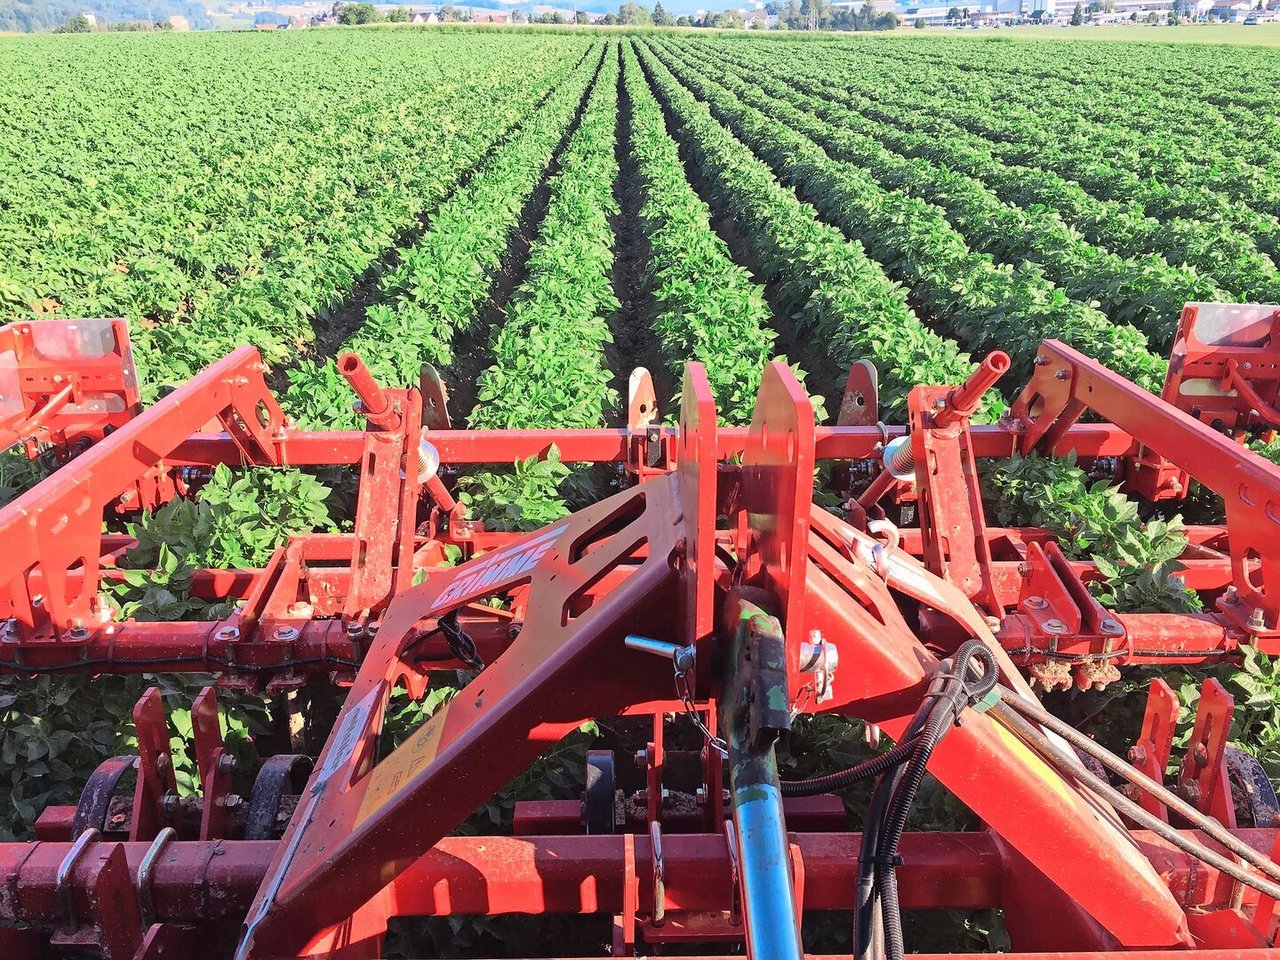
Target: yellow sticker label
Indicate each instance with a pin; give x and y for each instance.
(398, 770)
(1036, 764)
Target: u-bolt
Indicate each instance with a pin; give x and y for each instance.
(145, 871)
(62, 882)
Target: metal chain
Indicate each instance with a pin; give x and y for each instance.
(682, 688)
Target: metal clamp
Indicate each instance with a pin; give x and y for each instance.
(659, 875)
(61, 885)
(145, 870)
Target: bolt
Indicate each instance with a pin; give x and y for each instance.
(993, 624)
(642, 758)
(355, 631)
(513, 631)
(226, 763)
(1060, 375)
(127, 496)
(1137, 754)
(374, 627)
(162, 762)
(227, 634)
(940, 404)
(1200, 754)
(170, 804)
(232, 800)
(37, 600)
(285, 634)
(1041, 361)
(1111, 626)
(12, 630)
(1055, 626)
(1035, 603)
(1257, 619)
(78, 633)
(666, 794)
(700, 796)
(1231, 595)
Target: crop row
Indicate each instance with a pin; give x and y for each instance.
(1052, 135)
(549, 366)
(1146, 292)
(1229, 258)
(438, 289)
(267, 230)
(835, 294)
(985, 305)
(706, 307)
(1153, 132)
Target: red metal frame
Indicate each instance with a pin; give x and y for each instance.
(707, 509)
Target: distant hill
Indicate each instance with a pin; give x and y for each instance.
(28, 16)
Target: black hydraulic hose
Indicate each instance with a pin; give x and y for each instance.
(842, 779)
(890, 807)
(1209, 825)
(1070, 765)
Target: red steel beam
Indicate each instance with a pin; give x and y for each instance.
(195, 881)
(303, 448)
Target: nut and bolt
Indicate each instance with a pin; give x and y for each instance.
(940, 404)
(374, 627)
(1200, 754)
(642, 758)
(355, 630)
(78, 633)
(1041, 361)
(285, 634)
(232, 800)
(1111, 626)
(226, 763)
(1232, 595)
(227, 634)
(170, 804)
(1060, 375)
(1055, 626)
(1257, 619)
(700, 796)
(1137, 754)
(1035, 603)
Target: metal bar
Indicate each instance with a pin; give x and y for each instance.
(211, 880)
(458, 447)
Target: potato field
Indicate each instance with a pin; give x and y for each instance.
(537, 212)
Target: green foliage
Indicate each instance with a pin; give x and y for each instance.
(236, 520)
(1256, 687)
(1137, 559)
(77, 24)
(984, 304)
(438, 289)
(354, 14)
(840, 299)
(524, 498)
(549, 364)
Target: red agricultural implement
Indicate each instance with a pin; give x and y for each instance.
(710, 585)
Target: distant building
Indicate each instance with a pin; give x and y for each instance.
(489, 18)
(1231, 12)
(180, 23)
